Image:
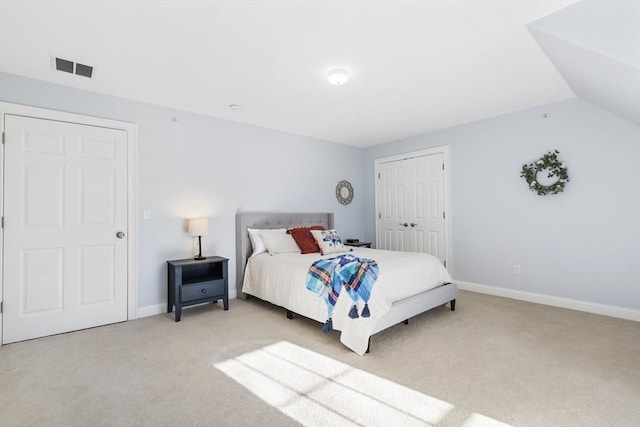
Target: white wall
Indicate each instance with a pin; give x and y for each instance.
(201, 166)
(583, 244)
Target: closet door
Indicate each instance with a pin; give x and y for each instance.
(428, 215)
(65, 231)
(411, 205)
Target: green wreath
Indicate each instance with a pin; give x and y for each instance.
(555, 167)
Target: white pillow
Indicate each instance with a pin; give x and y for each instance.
(279, 243)
(256, 241)
(329, 241)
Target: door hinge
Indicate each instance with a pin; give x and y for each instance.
(379, 215)
(443, 166)
(378, 175)
(1, 306)
(2, 137)
(443, 215)
(2, 223)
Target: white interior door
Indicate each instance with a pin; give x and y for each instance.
(65, 200)
(428, 220)
(397, 202)
(411, 205)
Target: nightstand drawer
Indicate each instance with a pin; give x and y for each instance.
(212, 289)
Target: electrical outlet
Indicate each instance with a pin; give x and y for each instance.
(516, 269)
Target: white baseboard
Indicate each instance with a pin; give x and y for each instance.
(152, 310)
(589, 307)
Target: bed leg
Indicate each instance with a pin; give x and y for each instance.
(406, 321)
(452, 303)
(289, 314)
(368, 345)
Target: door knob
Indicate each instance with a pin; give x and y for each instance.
(120, 235)
(404, 224)
(413, 224)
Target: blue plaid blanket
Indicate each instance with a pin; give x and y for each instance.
(327, 277)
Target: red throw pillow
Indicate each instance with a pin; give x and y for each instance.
(304, 238)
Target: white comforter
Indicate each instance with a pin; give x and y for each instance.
(281, 280)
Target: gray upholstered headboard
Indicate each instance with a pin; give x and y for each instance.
(269, 220)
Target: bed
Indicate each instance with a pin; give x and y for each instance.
(280, 280)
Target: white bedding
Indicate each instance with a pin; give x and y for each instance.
(281, 280)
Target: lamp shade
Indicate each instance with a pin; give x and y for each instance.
(199, 227)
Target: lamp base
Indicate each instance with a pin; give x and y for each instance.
(199, 256)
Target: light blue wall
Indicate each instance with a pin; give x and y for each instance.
(202, 166)
(583, 244)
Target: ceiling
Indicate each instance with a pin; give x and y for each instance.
(595, 46)
(414, 66)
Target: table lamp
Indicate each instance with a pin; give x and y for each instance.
(199, 227)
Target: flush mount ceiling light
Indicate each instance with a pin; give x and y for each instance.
(337, 76)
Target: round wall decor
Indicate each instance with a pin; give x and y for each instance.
(344, 192)
(548, 175)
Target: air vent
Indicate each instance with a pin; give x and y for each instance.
(84, 70)
(73, 67)
(64, 65)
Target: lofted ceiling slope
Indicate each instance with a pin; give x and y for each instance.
(414, 66)
(596, 48)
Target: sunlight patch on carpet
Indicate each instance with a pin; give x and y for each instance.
(479, 420)
(316, 390)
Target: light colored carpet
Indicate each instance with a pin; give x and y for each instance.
(514, 362)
